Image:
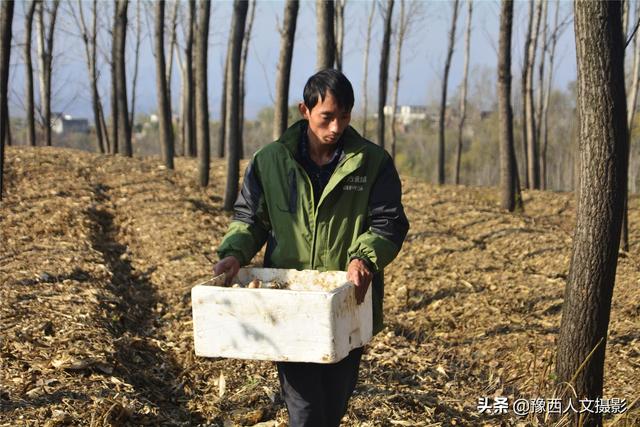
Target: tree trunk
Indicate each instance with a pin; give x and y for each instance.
(463, 94)
(243, 65)
(45, 54)
(339, 30)
(105, 130)
(365, 67)
(326, 45)
(30, 109)
(533, 169)
(173, 39)
(8, 141)
(287, 38)
(6, 20)
(134, 83)
(114, 83)
(443, 100)
(523, 91)
(625, 17)
(222, 131)
(540, 94)
(96, 103)
(511, 199)
(188, 116)
(182, 114)
(124, 127)
(384, 71)
(631, 112)
(402, 28)
(603, 148)
(164, 106)
(233, 104)
(545, 107)
(202, 106)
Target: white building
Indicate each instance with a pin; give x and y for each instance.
(407, 114)
(64, 123)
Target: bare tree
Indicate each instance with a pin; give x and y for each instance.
(544, 136)
(287, 38)
(243, 65)
(326, 45)
(45, 56)
(202, 105)
(233, 104)
(184, 56)
(603, 151)
(136, 53)
(120, 36)
(6, 20)
(365, 62)
(533, 169)
(631, 111)
(443, 99)
(173, 38)
(164, 104)
(89, 38)
(222, 131)
(188, 129)
(383, 79)
(400, 35)
(339, 30)
(463, 92)
(406, 21)
(511, 199)
(539, 103)
(625, 17)
(30, 7)
(114, 83)
(523, 90)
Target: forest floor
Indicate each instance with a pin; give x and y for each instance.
(98, 255)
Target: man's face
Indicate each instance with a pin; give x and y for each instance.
(327, 121)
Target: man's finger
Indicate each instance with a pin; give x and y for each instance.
(359, 292)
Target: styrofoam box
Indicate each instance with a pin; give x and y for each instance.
(315, 320)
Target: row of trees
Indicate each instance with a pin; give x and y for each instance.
(114, 133)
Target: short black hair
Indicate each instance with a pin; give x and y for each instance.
(332, 80)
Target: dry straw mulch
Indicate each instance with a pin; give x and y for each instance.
(99, 253)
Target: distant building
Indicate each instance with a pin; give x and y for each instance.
(407, 114)
(64, 123)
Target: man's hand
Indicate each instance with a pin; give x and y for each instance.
(229, 265)
(359, 275)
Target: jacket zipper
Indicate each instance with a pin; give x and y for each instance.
(314, 209)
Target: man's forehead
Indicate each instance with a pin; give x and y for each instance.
(329, 102)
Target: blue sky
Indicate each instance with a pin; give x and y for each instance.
(422, 64)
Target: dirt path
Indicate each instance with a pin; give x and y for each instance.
(140, 361)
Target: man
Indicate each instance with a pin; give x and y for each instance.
(323, 198)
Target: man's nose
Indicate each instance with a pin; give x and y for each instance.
(334, 126)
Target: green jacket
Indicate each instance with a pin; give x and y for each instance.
(359, 214)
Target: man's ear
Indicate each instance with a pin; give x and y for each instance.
(304, 111)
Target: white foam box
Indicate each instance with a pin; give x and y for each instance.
(315, 320)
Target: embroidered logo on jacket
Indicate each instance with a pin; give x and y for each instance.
(353, 181)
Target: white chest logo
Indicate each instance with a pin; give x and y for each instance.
(354, 183)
